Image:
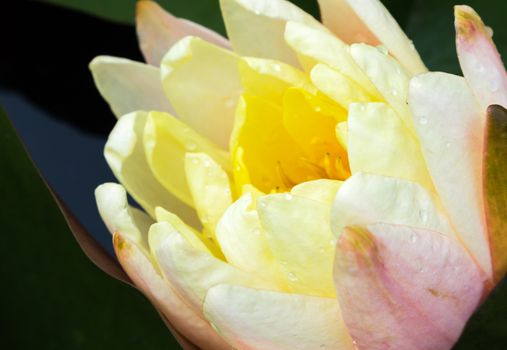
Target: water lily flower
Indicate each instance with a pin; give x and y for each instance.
(307, 185)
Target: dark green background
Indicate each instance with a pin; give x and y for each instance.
(53, 297)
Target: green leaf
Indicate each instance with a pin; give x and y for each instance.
(53, 297)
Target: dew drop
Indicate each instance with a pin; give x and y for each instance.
(277, 67)
(383, 49)
(490, 32)
(195, 161)
(423, 215)
(292, 277)
(423, 121)
(362, 107)
(448, 144)
(207, 163)
(230, 102)
(283, 262)
(394, 92)
(288, 196)
(413, 238)
(318, 108)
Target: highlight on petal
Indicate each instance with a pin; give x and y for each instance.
(368, 21)
(210, 189)
(259, 320)
(146, 277)
(118, 216)
(244, 242)
(366, 199)
(124, 153)
(202, 83)
(380, 143)
(298, 232)
(495, 187)
(314, 46)
(322, 190)
(404, 288)
(193, 272)
(387, 75)
(158, 30)
(255, 27)
(450, 128)
(129, 86)
(479, 58)
(166, 141)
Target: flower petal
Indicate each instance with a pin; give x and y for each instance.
(315, 46)
(298, 232)
(255, 27)
(495, 187)
(388, 77)
(479, 59)
(124, 152)
(140, 269)
(158, 30)
(322, 190)
(366, 199)
(366, 20)
(193, 272)
(244, 242)
(118, 216)
(405, 288)
(252, 319)
(450, 128)
(379, 143)
(129, 86)
(210, 189)
(202, 83)
(166, 141)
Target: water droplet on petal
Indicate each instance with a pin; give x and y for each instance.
(490, 32)
(394, 92)
(195, 161)
(191, 146)
(423, 121)
(230, 103)
(292, 277)
(423, 215)
(283, 262)
(448, 144)
(277, 67)
(413, 238)
(288, 196)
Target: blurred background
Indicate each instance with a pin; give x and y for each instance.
(53, 297)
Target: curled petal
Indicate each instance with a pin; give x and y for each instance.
(479, 58)
(368, 21)
(124, 152)
(179, 315)
(255, 27)
(404, 288)
(158, 30)
(251, 319)
(129, 86)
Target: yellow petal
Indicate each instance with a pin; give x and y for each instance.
(367, 199)
(311, 120)
(322, 190)
(259, 320)
(342, 131)
(210, 189)
(129, 86)
(166, 141)
(268, 79)
(193, 272)
(158, 30)
(300, 237)
(387, 75)
(263, 153)
(345, 17)
(124, 152)
(338, 87)
(379, 143)
(202, 83)
(255, 27)
(196, 239)
(243, 240)
(163, 296)
(316, 46)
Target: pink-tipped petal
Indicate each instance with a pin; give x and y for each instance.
(158, 30)
(450, 127)
(142, 272)
(366, 20)
(404, 288)
(252, 319)
(479, 58)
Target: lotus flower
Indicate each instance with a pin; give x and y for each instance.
(307, 185)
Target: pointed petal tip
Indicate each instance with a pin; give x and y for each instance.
(468, 23)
